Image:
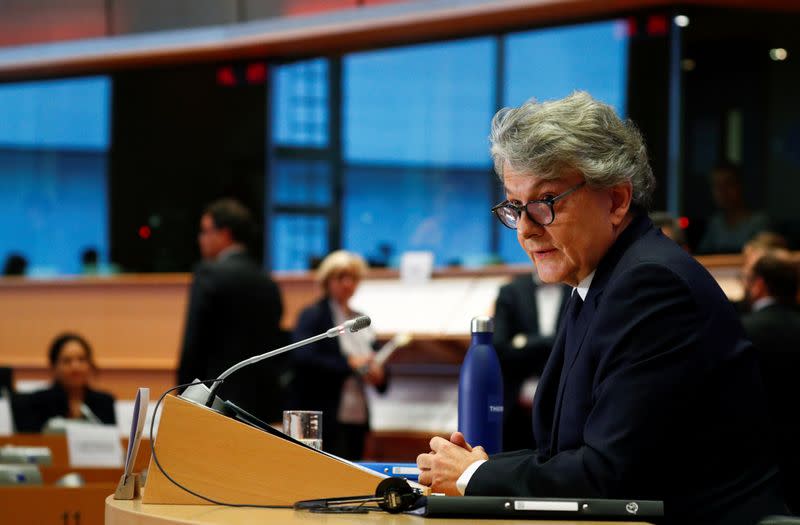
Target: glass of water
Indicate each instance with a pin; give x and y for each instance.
(305, 426)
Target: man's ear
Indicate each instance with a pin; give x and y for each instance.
(759, 288)
(227, 235)
(621, 198)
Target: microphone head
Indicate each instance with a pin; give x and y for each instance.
(359, 323)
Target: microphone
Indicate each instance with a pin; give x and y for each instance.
(351, 326)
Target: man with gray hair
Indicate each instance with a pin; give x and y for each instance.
(652, 390)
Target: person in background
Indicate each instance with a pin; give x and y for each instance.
(234, 312)
(330, 375)
(734, 224)
(16, 265)
(773, 324)
(70, 396)
(763, 243)
(526, 315)
(652, 390)
(670, 227)
(89, 262)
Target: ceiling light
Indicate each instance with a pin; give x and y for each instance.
(778, 54)
(681, 20)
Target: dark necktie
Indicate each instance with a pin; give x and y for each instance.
(573, 311)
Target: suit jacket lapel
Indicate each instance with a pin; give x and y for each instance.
(544, 401)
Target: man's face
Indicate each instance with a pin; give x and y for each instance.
(211, 239)
(726, 189)
(585, 226)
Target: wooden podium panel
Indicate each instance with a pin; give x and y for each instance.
(230, 461)
(42, 505)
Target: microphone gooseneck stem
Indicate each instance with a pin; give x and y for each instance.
(256, 359)
(353, 325)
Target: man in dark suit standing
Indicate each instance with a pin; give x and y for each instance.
(773, 324)
(652, 390)
(525, 319)
(234, 312)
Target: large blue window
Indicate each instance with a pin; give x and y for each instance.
(300, 184)
(417, 176)
(54, 138)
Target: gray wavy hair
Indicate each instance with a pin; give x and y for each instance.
(576, 132)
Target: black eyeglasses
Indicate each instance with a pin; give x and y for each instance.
(540, 211)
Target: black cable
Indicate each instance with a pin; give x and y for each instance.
(185, 489)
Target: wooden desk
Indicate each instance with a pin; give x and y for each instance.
(136, 513)
(29, 505)
(57, 443)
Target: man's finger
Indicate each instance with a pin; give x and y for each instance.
(424, 461)
(425, 478)
(438, 444)
(458, 439)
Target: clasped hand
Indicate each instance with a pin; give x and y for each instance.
(443, 465)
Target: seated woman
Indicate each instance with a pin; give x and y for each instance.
(69, 397)
(330, 375)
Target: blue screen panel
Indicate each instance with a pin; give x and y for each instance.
(552, 63)
(297, 239)
(443, 211)
(300, 104)
(421, 105)
(54, 207)
(66, 114)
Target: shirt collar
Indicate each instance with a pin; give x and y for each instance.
(762, 303)
(233, 249)
(583, 286)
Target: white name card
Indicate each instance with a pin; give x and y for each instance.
(416, 267)
(92, 445)
(6, 424)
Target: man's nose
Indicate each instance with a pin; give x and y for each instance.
(526, 227)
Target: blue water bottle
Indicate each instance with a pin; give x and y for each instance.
(480, 390)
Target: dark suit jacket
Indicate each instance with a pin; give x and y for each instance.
(775, 332)
(320, 369)
(516, 312)
(662, 399)
(234, 313)
(32, 411)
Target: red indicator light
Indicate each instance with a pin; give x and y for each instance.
(657, 25)
(225, 76)
(144, 232)
(683, 222)
(256, 73)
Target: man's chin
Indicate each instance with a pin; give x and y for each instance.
(546, 276)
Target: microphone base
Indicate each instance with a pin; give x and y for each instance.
(198, 393)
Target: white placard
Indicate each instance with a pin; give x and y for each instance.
(91, 445)
(416, 267)
(6, 423)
